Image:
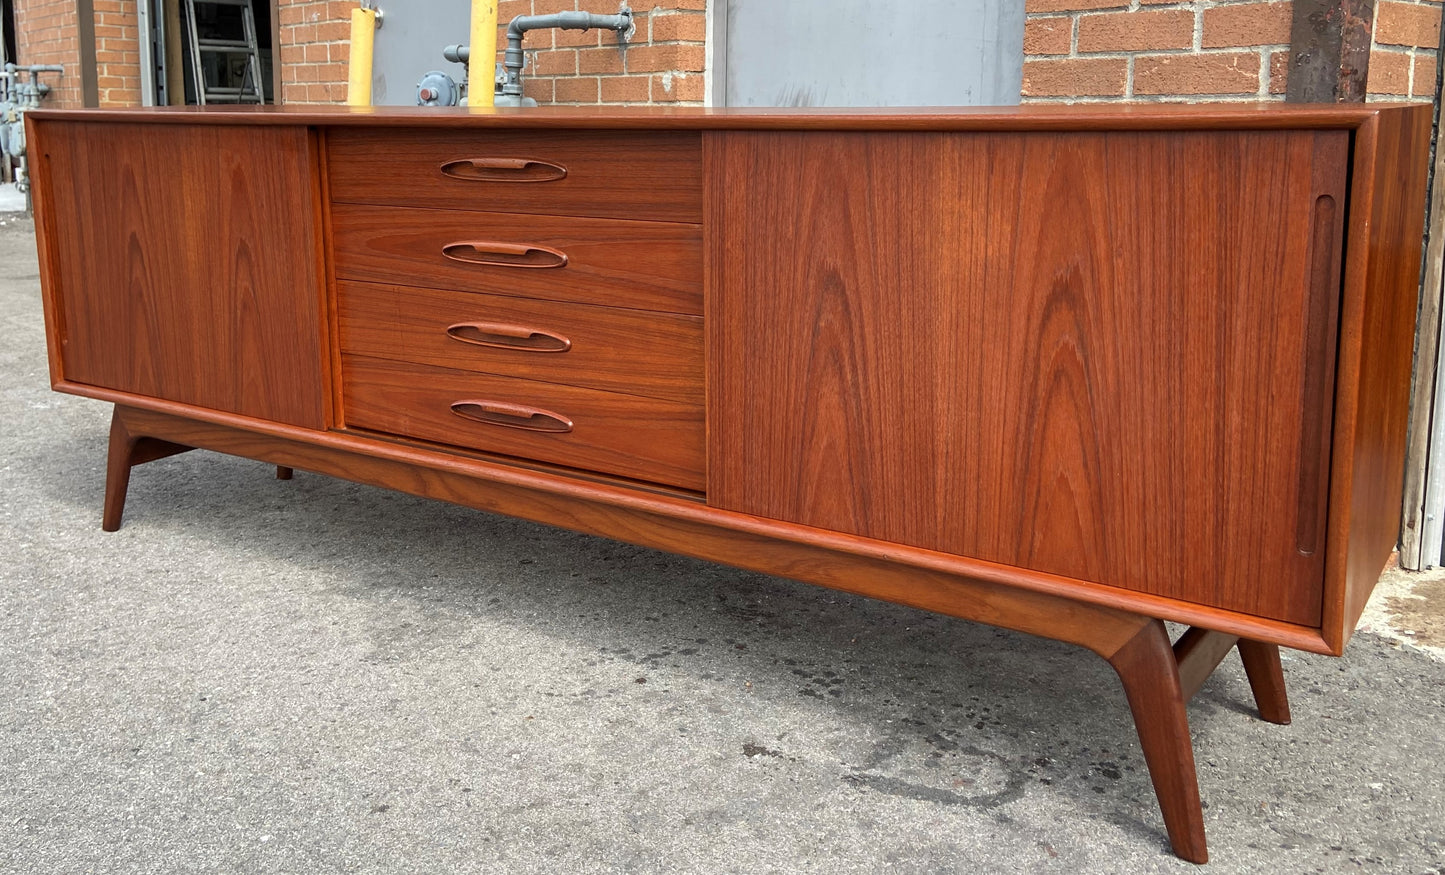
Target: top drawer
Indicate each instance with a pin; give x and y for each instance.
(608, 174)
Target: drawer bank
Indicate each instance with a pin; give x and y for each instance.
(1068, 371)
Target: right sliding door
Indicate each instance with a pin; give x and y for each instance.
(1108, 356)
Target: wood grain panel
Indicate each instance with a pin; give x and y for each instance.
(1086, 354)
(658, 355)
(626, 435)
(624, 175)
(187, 267)
(644, 265)
(1376, 345)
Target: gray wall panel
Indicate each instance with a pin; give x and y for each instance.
(410, 42)
(874, 52)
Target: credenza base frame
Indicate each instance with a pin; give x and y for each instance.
(1158, 678)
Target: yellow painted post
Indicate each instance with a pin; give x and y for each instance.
(363, 38)
(482, 64)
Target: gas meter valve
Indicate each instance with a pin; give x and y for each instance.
(437, 89)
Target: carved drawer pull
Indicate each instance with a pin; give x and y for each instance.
(496, 254)
(505, 336)
(513, 416)
(504, 170)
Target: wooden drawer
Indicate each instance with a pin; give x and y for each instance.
(607, 432)
(643, 265)
(658, 355)
(624, 175)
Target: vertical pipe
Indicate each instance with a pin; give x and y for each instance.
(363, 36)
(175, 62)
(482, 64)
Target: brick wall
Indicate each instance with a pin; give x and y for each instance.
(663, 62)
(1144, 51)
(1158, 50)
(47, 32)
(1403, 52)
(315, 47)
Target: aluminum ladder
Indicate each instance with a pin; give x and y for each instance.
(227, 46)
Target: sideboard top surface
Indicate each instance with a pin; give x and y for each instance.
(996, 118)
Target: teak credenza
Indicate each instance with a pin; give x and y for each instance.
(1067, 371)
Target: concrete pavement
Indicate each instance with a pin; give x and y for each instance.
(315, 677)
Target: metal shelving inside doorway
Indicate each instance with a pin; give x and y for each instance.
(225, 46)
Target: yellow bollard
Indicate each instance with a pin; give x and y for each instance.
(363, 38)
(482, 64)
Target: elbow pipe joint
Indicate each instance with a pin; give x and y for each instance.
(512, 58)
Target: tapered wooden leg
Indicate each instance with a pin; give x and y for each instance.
(1147, 668)
(117, 472)
(283, 473)
(127, 450)
(1266, 679)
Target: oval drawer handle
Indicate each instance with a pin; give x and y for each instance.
(513, 416)
(505, 336)
(504, 170)
(493, 253)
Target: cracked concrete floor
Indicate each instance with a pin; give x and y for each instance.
(315, 677)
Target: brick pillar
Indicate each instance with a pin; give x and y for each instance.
(315, 46)
(117, 52)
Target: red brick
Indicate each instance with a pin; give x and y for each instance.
(1406, 24)
(333, 31)
(625, 89)
(686, 57)
(1048, 36)
(1033, 6)
(1246, 24)
(1422, 83)
(678, 88)
(1278, 71)
(1222, 73)
(1389, 73)
(681, 26)
(1075, 77)
(1136, 31)
(562, 62)
(607, 60)
(540, 90)
(582, 90)
(510, 9)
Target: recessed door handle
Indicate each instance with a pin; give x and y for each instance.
(504, 170)
(504, 336)
(497, 254)
(512, 416)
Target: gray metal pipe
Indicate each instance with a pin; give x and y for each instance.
(513, 59)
